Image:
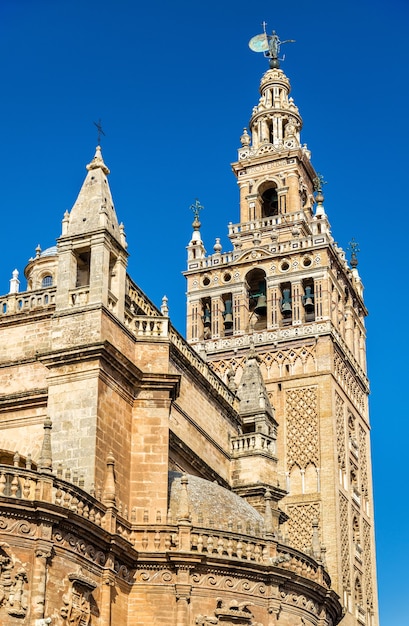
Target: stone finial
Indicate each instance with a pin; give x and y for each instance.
(122, 235)
(109, 493)
(183, 510)
(245, 138)
(268, 514)
(316, 546)
(164, 307)
(38, 251)
(14, 282)
(217, 246)
(46, 461)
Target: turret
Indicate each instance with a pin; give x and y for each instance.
(92, 247)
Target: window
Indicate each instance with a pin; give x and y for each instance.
(47, 281)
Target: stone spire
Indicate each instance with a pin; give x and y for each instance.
(94, 207)
(255, 407)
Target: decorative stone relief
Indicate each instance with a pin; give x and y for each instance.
(300, 524)
(302, 427)
(345, 549)
(363, 461)
(77, 609)
(367, 563)
(12, 585)
(300, 600)
(340, 425)
(272, 364)
(348, 383)
(229, 613)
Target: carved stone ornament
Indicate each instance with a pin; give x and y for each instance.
(77, 611)
(228, 613)
(12, 586)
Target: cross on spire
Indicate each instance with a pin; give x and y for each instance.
(100, 131)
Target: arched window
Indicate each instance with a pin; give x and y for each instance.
(47, 281)
(269, 201)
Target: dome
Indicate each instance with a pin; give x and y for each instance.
(210, 501)
(52, 251)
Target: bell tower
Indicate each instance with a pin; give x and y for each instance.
(286, 292)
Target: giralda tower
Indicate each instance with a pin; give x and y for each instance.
(287, 294)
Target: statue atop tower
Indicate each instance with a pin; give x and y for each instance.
(269, 45)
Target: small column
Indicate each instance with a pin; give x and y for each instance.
(216, 317)
(296, 297)
(42, 553)
(108, 582)
(275, 314)
(183, 590)
(237, 317)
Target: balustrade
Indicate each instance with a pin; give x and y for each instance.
(26, 484)
(15, 303)
(253, 443)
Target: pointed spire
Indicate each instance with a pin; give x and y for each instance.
(252, 390)
(94, 207)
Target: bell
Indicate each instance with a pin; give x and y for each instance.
(261, 306)
(228, 314)
(207, 318)
(308, 300)
(286, 303)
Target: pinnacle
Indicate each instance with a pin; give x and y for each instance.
(98, 162)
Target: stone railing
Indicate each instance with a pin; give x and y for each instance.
(266, 223)
(227, 545)
(27, 484)
(79, 296)
(136, 301)
(253, 443)
(15, 303)
(152, 327)
(192, 357)
(24, 484)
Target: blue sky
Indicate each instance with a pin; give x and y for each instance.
(174, 84)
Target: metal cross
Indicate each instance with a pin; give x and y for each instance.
(100, 131)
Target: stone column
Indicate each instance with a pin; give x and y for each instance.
(182, 607)
(42, 553)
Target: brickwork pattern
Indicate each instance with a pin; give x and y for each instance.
(300, 524)
(367, 554)
(363, 456)
(340, 424)
(345, 550)
(302, 427)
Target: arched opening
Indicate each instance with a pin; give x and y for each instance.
(269, 202)
(47, 281)
(257, 294)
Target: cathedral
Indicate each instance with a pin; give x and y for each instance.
(222, 478)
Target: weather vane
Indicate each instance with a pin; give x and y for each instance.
(100, 131)
(269, 45)
(353, 248)
(196, 208)
(318, 183)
